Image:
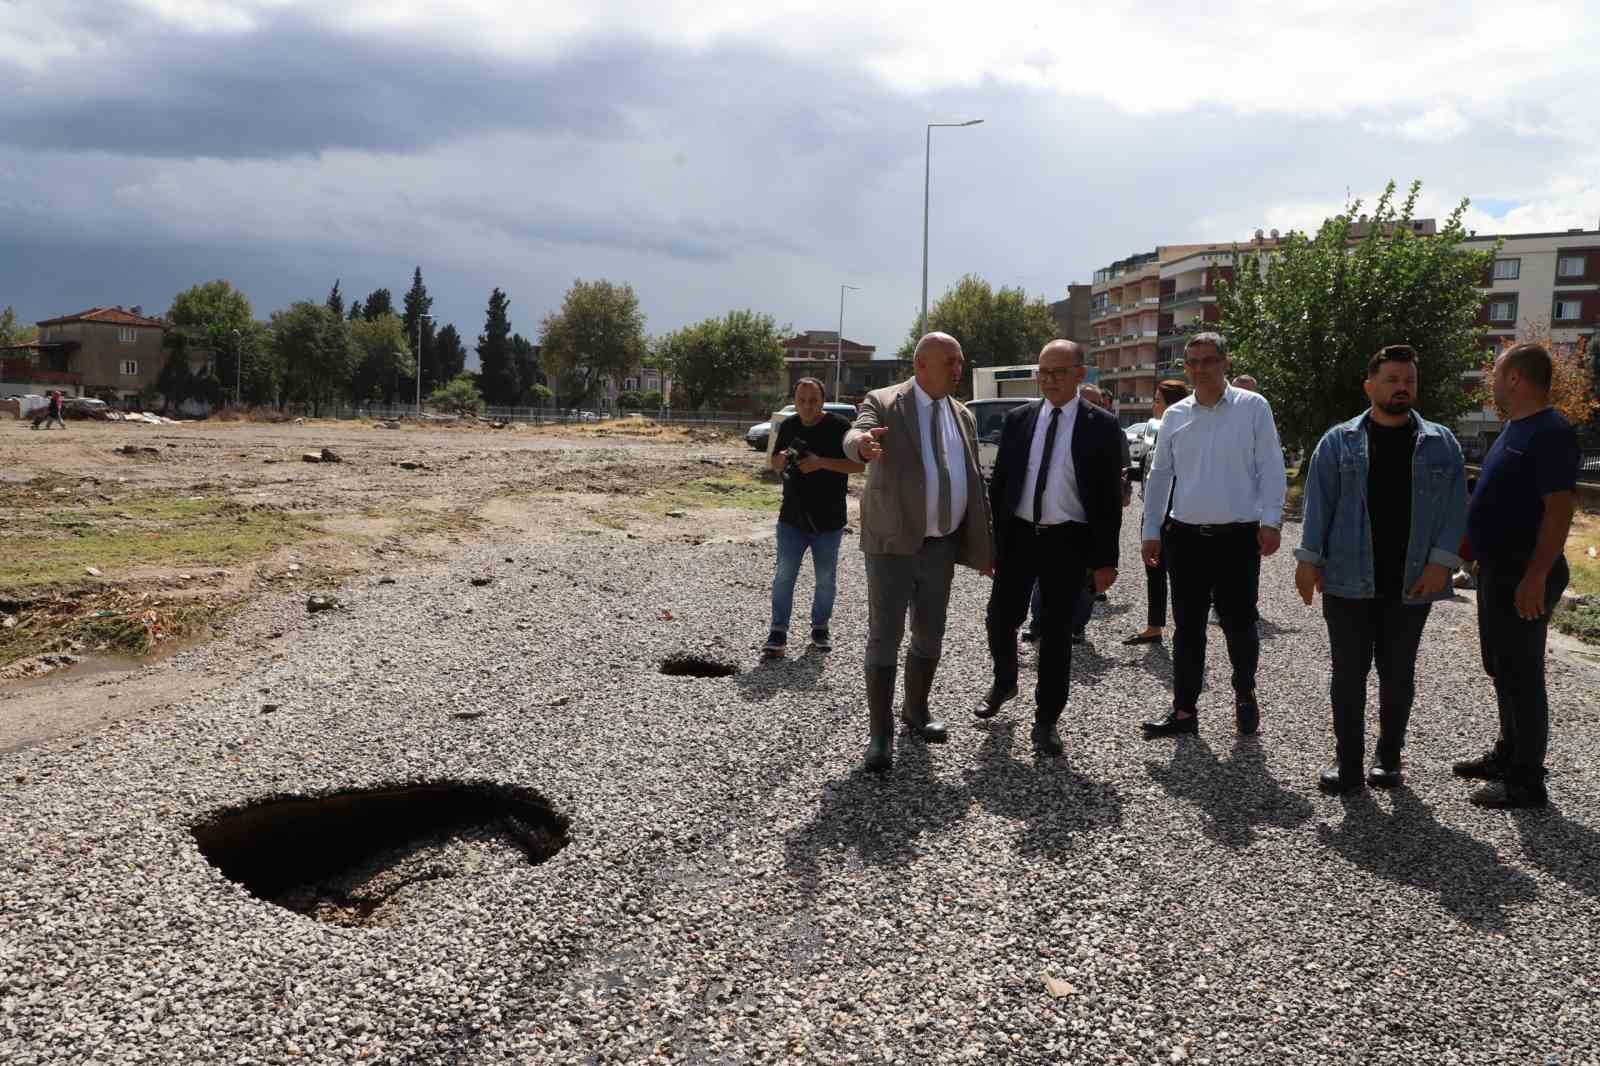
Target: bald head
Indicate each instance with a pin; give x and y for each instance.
(1071, 351)
(937, 364)
(1060, 371)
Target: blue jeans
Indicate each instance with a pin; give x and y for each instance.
(792, 544)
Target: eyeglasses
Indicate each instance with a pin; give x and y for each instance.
(1056, 373)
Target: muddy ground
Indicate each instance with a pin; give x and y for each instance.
(120, 543)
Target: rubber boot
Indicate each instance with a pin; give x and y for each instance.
(880, 718)
(914, 713)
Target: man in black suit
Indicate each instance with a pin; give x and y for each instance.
(1056, 497)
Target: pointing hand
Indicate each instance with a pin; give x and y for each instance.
(871, 448)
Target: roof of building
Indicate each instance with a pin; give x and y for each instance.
(114, 316)
(1482, 237)
(825, 339)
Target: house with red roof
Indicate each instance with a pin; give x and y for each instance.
(105, 352)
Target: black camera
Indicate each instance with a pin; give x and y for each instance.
(794, 453)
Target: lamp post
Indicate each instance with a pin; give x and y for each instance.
(838, 351)
(238, 369)
(419, 363)
(927, 171)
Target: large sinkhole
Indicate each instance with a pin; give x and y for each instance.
(682, 665)
(375, 857)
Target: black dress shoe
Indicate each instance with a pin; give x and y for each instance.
(1335, 781)
(1385, 775)
(1508, 795)
(1046, 739)
(1246, 714)
(1172, 725)
(1486, 767)
(993, 700)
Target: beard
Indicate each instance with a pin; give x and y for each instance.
(1395, 406)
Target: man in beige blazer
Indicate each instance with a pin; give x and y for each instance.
(924, 509)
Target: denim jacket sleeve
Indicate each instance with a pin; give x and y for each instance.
(1454, 527)
(1320, 499)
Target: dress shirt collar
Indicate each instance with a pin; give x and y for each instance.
(924, 401)
(1045, 406)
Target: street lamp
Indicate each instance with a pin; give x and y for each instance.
(419, 363)
(838, 351)
(927, 169)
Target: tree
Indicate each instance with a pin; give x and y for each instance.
(598, 332)
(316, 352)
(460, 396)
(356, 311)
(629, 401)
(417, 304)
(450, 355)
(1305, 317)
(384, 360)
(1572, 386)
(211, 313)
(711, 359)
(525, 361)
(378, 304)
(336, 299)
(651, 401)
(541, 396)
(11, 333)
(261, 379)
(496, 372)
(995, 328)
(175, 379)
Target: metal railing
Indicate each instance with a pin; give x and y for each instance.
(741, 420)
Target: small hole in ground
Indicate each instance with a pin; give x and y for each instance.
(353, 858)
(696, 666)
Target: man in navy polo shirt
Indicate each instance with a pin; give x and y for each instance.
(1517, 527)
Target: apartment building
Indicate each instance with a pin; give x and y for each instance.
(105, 352)
(1072, 314)
(817, 352)
(1538, 283)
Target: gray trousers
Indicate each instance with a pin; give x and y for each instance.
(920, 582)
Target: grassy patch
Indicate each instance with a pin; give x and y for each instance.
(106, 619)
(1581, 622)
(609, 521)
(742, 489)
(53, 542)
(1585, 534)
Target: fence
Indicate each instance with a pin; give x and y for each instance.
(726, 420)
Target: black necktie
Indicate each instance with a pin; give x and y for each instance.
(1044, 467)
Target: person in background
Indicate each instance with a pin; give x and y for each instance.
(923, 510)
(1055, 493)
(1385, 510)
(1517, 526)
(53, 412)
(809, 454)
(1155, 577)
(1247, 382)
(1221, 448)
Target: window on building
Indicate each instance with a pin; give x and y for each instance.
(1568, 310)
(130, 368)
(127, 334)
(1503, 310)
(1570, 266)
(1507, 269)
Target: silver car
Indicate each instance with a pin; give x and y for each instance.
(990, 415)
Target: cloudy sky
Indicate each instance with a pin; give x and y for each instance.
(757, 155)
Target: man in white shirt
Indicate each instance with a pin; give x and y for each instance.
(1056, 497)
(923, 510)
(1219, 460)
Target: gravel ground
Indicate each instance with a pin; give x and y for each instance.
(735, 891)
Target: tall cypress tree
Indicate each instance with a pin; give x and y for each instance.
(497, 373)
(417, 304)
(355, 311)
(379, 303)
(335, 299)
(449, 353)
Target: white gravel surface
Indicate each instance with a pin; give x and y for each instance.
(735, 891)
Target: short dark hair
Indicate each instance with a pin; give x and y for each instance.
(1172, 390)
(1211, 337)
(1390, 353)
(815, 383)
(1533, 362)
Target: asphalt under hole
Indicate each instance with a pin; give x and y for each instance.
(696, 666)
(366, 857)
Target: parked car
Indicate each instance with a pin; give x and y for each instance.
(1138, 444)
(83, 407)
(990, 415)
(759, 434)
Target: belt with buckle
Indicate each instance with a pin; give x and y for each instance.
(1054, 527)
(1214, 529)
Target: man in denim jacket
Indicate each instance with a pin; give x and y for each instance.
(1385, 511)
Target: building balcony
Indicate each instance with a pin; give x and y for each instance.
(1198, 293)
(1103, 312)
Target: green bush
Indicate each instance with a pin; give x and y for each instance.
(652, 401)
(459, 396)
(1581, 621)
(630, 401)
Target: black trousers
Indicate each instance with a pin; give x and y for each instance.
(1212, 566)
(1513, 655)
(1155, 594)
(1055, 558)
(1359, 632)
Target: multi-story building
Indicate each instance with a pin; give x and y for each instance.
(105, 352)
(1072, 314)
(1539, 283)
(816, 353)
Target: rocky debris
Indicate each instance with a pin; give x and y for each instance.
(311, 457)
(412, 464)
(389, 424)
(321, 602)
(139, 450)
(482, 580)
(93, 571)
(386, 580)
(331, 456)
(676, 514)
(268, 708)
